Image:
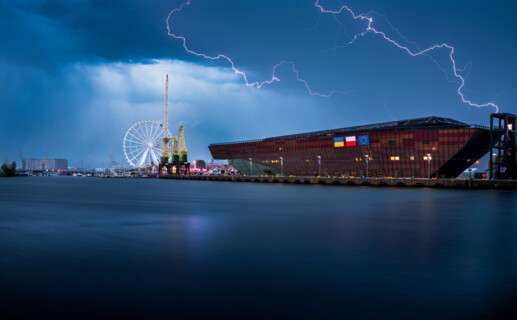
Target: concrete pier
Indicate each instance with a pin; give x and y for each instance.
(374, 182)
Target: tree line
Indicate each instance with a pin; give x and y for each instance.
(8, 170)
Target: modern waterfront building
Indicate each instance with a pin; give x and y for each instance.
(420, 148)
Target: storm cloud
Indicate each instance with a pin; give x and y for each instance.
(76, 74)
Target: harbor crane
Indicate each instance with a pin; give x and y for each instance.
(22, 163)
(44, 160)
(149, 143)
(179, 163)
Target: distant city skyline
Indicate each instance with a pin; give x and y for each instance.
(77, 75)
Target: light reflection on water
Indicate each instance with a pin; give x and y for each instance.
(189, 248)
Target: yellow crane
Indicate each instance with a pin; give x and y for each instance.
(175, 152)
(179, 151)
(182, 146)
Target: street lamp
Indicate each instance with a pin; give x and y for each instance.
(429, 165)
(493, 169)
(251, 166)
(282, 165)
(319, 165)
(366, 158)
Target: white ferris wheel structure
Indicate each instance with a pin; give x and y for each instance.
(143, 143)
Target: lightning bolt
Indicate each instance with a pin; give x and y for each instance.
(255, 84)
(369, 29)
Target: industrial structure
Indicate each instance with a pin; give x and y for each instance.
(503, 139)
(421, 148)
(149, 144)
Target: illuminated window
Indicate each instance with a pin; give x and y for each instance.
(510, 126)
(430, 158)
(280, 148)
(412, 158)
(395, 158)
(307, 160)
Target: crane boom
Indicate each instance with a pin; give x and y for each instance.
(43, 160)
(45, 157)
(166, 139)
(166, 122)
(22, 163)
(111, 159)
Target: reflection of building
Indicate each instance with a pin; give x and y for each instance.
(422, 147)
(50, 164)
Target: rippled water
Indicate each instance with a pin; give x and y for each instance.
(75, 247)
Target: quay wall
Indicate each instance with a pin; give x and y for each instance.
(375, 182)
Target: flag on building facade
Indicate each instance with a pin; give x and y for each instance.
(350, 141)
(364, 140)
(338, 142)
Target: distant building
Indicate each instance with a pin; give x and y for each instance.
(56, 164)
(50, 164)
(31, 164)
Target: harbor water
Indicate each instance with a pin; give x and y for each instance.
(77, 247)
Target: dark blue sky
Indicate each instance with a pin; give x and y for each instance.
(76, 74)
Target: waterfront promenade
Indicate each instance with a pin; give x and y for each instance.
(379, 182)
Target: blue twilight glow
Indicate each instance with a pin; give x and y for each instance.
(76, 74)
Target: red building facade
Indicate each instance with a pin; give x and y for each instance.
(426, 147)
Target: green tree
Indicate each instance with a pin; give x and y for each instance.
(8, 170)
(201, 164)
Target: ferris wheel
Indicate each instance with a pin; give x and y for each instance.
(143, 143)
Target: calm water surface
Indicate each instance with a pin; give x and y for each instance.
(74, 247)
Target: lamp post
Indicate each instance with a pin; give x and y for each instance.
(493, 170)
(282, 165)
(319, 165)
(251, 166)
(366, 158)
(429, 165)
